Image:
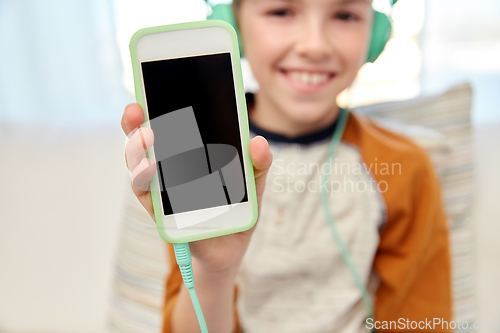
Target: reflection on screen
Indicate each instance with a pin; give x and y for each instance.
(192, 109)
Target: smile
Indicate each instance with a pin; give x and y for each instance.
(307, 81)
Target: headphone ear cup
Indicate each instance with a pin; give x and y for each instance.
(224, 12)
(381, 31)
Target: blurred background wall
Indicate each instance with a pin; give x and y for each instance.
(65, 77)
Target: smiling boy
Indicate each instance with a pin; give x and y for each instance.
(286, 274)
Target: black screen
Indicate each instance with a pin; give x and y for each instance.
(192, 109)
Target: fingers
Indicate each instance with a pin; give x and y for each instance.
(140, 140)
(142, 174)
(132, 118)
(144, 198)
(261, 155)
(262, 160)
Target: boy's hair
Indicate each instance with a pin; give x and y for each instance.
(236, 4)
(236, 7)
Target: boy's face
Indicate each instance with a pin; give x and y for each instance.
(304, 53)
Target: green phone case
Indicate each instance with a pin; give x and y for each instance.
(243, 115)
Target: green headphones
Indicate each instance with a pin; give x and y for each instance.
(381, 29)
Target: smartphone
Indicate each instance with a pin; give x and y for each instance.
(188, 81)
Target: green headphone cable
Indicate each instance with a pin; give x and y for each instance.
(183, 257)
(183, 254)
(332, 151)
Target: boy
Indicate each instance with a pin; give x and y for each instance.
(286, 273)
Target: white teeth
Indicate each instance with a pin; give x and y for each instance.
(305, 77)
(308, 78)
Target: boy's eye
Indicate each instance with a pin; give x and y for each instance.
(281, 12)
(346, 16)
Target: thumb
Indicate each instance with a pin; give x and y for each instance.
(262, 159)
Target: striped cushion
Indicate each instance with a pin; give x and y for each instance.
(141, 270)
(442, 125)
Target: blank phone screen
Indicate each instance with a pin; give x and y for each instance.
(192, 110)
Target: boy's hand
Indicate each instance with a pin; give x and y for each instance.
(218, 254)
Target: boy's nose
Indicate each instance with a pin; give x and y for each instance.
(313, 42)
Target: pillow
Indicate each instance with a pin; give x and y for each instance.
(440, 123)
(140, 273)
